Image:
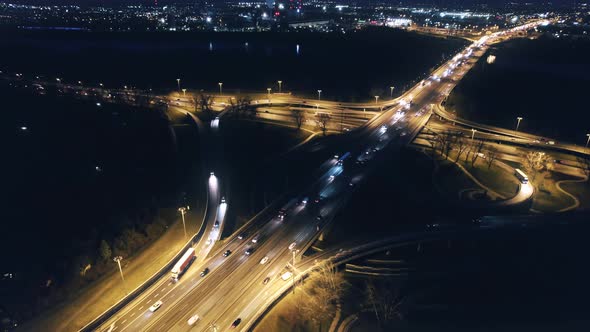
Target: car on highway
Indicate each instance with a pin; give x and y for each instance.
(286, 276)
(292, 245)
(264, 260)
(236, 323)
(209, 241)
(222, 199)
(331, 178)
(319, 218)
(241, 237)
(205, 272)
(249, 251)
(227, 253)
(282, 214)
(266, 280)
(193, 319)
(156, 306)
(216, 224)
(255, 239)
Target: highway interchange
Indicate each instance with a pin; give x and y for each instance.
(234, 287)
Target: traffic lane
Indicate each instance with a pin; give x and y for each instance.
(216, 277)
(255, 285)
(123, 321)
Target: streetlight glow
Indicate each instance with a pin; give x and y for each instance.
(319, 94)
(473, 133)
(220, 88)
(518, 122)
(178, 83)
(391, 91)
(182, 211)
(280, 83)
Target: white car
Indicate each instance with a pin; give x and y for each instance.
(286, 276)
(156, 306)
(264, 260)
(255, 239)
(193, 320)
(292, 245)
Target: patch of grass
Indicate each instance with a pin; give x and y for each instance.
(581, 190)
(548, 198)
(451, 180)
(494, 177)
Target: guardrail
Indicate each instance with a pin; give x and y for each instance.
(94, 324)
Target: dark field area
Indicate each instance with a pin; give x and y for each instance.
(528, 279)
(545, 81)
(354, 66)
(75, 174)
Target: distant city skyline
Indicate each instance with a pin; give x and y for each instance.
(440, 3)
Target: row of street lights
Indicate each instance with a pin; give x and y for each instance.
(280, 90)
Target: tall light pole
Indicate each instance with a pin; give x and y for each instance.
(376, 99)
(178, 83)
(220, 88)
(268, 93)
(294, 252)
(319, 94)
(182, 211)
(391, 91)
(588, 139)
(518, 119)
(280, 83)
(184, 92)
(118, 260)
(473, 133)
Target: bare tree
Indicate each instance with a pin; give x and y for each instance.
(492, 154)
(298, 116)
(477, 148)
(461, 146)
(383, 298)
(327, 288)
(205, 102)
(322, 120)
(535, 162)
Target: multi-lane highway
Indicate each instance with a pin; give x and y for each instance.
(236, 284)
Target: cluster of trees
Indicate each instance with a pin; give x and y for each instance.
(242, 107)
(472, 149)
(322, 121)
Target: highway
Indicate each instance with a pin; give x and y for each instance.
(233, 288)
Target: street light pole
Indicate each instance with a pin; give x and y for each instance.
(587, 140)
(294, 252)
(280, 83)
(391, 91)
(182, 211)
(220, 88)
(184, 92)
(376, 99)
(473, 133)
(178, 83)
(268, 92)
(319, 94)
(118, 260)
(518, 122)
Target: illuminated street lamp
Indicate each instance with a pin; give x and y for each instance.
(118, 260)
(280, 83)
(588, 139)
(391, 91)
(182, 211)
(376, 99)
(518, 122)
(319, 94)
(184, 92)
(268, 93)
(473, 133)
(178, 83)
(220, 88)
